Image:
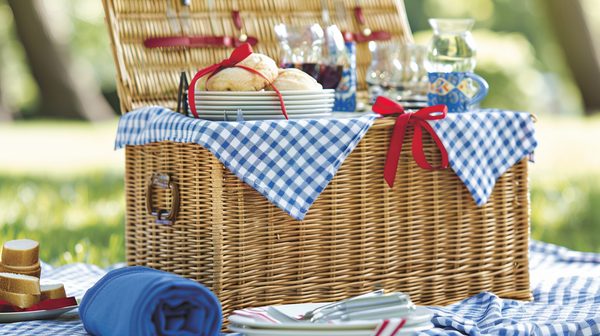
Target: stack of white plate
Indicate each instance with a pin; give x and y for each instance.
(413, 103)
(418, 321)
(263, 105)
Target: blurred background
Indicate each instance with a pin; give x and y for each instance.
(62, 184)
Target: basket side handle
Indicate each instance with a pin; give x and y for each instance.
(163, 182)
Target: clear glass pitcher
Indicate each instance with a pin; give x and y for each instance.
(452, 47)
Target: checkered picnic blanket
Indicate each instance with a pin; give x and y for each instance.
(565, 284)
(291, 162)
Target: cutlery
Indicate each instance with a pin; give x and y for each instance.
(374, 313)
(365, 307)
(240, 116)
(361, 304)
(309, 315)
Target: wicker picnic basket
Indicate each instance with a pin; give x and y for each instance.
(425, 237)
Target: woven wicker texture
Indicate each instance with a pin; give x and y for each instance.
(425, 237)
(151, 76)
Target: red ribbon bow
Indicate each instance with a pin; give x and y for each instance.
(238, 55)
(385, 106)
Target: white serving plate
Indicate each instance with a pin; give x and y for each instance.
(405, 331)
(261, 112)
(229, 107)
(422, 316)
(264, 116)
(33, 315)
(263, 93)
(265, 98)
(274, 102)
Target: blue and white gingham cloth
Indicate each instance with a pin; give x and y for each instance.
(289, 162)
(484, 144)
(565, 284)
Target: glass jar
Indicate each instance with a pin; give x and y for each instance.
(452, 47)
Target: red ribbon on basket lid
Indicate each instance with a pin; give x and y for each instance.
(238, 55)
(385, 106)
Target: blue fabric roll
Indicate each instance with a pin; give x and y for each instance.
(143, 301)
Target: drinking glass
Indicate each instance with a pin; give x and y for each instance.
(384, 75)
(410, 69)
(334, 59)
(321, 54)
(302, 47)
(422, 86)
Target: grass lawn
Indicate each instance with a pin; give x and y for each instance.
(62, 184)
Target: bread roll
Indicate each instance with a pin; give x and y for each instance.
(20, 300)
(21, 252)
(294, 79)
(19, 283)
(201, 83)
(238, 79)
(54, 291)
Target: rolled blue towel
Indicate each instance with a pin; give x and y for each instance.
(143, 301)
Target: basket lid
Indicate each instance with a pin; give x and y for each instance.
(151, 76)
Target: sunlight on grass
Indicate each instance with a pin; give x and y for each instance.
(567, 212)
(77, 219)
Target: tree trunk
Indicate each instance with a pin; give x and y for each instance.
(574, 34)
(64, 93)
(5, 111)
(5, 115)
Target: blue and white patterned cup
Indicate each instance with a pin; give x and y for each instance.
(456, 90)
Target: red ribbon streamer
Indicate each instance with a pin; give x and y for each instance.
(47, 304)
(386, 106)
(238, 55)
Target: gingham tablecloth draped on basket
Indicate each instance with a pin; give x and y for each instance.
(484, 144)
(288, 162)
(291, 162)
(566, 290)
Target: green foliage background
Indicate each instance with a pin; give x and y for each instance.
(517, 52)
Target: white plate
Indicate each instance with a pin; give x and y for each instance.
(274, 102)
(266, 98)
(262, 112)
(245, 108)
(263, 93)
(421, 316)
(413, 105)
(34, 315)
(265, 117)
(405, 331)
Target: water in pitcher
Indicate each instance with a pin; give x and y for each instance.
(452, 47)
